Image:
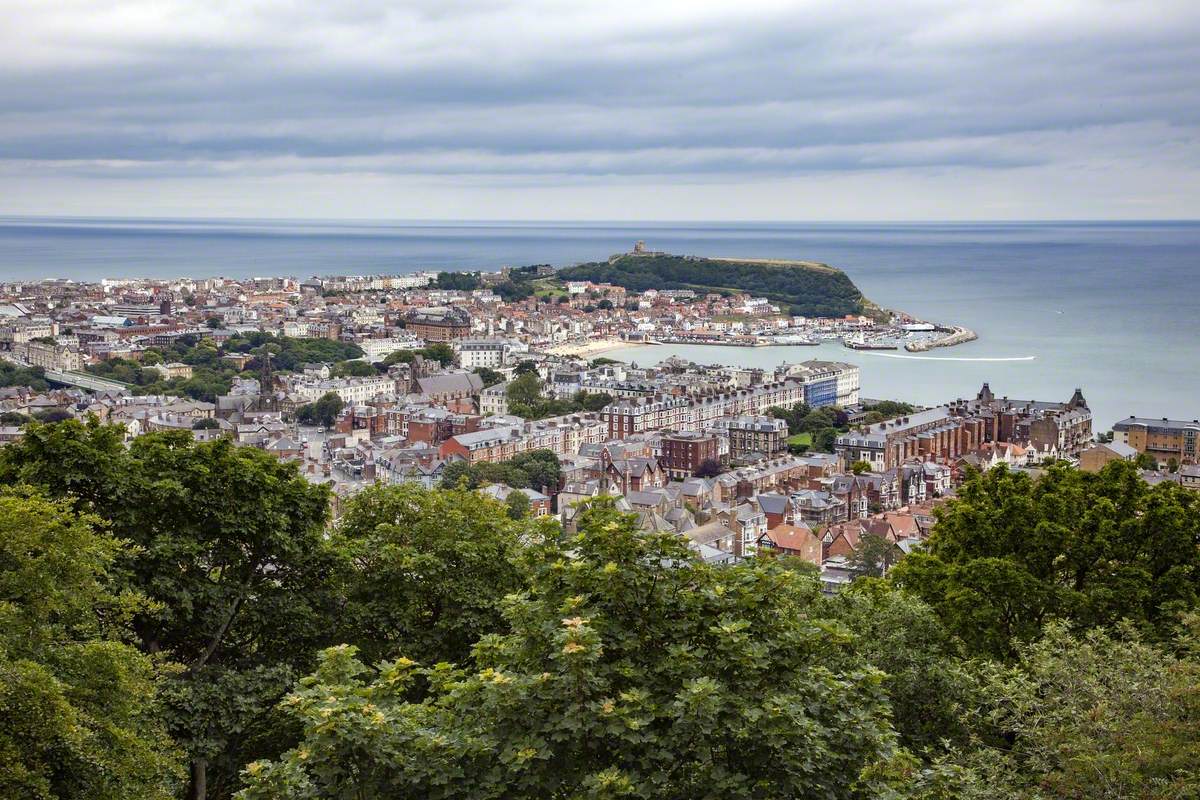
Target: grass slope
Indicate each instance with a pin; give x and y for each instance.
(804, 287)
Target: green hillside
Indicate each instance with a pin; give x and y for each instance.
(804, 287)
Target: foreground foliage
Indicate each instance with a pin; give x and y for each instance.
(428, 571)
(1012, 553)
(631, 670)
(1099, 715)
(80, 715)
(159, 605)
(228, 546)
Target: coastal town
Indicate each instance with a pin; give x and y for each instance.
(500, 380)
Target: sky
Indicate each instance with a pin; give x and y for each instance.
(613, 110)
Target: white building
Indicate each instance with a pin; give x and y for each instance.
(494, 400)
(379, 349)
(351, 390)
(489, 353)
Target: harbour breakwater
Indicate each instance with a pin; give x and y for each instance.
(951, 337)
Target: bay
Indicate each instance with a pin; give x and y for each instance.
(1111, 307)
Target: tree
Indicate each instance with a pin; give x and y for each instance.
(526, 366)
(214, 322)
(516, 505)
(323, 412)
(461, 281)
(533, 469)
(860, 467)
(825, 439)
(541, 467)
(232, 547)
(81, 711)
(1010, 553)
(1146, 461)
(429, 570)
(15, 376)
(709, 468)
(489, 376)
(1096, 715)
(356, 369)
(524, 390)
(439, 351)
(205, 424)
(631, 669)
(928, 685)
(887, 409)
(873, 556)
(399, 357)
(52, 415)
(455, 472)
(591, 401)
(792, 416)
(229, 546)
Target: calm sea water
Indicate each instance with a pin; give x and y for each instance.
(1113, 308)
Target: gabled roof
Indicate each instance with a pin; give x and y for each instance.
(457, 382)
(709, 532)
(798, 539)
(1120, 449)
(772, 503)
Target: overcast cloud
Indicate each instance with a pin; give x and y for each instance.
(616, 110)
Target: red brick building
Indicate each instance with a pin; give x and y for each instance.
(439, 324)
(684, 452)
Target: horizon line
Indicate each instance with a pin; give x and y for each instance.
(5, 217)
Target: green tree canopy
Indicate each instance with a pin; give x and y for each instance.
(525, 389)
(1011, 552)
(517, 505)
(536, 469)
(490, 377)
(80, 714)
(428, 570)
(229, 546)
(355, 369)
(929, 686)
(324, 411)
(873, 556)
(631, 669)
(1096, 715)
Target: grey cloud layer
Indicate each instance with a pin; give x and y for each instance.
(527, 89)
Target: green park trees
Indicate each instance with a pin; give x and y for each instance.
(525, 398)
(323, 411)
(535, 469)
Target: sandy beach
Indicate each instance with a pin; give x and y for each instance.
(591, 348)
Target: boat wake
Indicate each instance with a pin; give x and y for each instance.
(946, 358)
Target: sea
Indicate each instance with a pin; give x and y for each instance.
(1110, 307)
